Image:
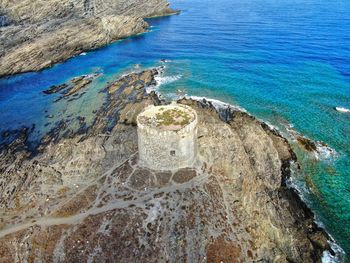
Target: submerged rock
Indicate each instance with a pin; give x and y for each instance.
(72, 88)
(307, 144)
(85, 198)
(55, 89)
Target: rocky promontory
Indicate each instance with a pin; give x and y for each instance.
(35, 34)
(83, 197)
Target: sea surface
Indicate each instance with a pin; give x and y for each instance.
(285, 61)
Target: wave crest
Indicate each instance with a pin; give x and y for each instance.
(342, 109)
(162, 80)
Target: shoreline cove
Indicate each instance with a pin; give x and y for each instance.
(22, 51)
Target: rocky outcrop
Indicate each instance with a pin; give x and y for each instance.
(85, 198)
(36, 34)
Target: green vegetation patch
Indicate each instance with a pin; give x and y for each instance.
(173, 117)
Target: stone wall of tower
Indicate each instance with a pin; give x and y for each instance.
(168, 150)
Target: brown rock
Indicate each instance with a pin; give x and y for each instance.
(141, 179)
(163, 178)
(129, 114)
(223, 251)
(184, 175)
(307, 144)
(114, 87)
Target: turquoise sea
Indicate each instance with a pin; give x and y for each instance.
(286, 62)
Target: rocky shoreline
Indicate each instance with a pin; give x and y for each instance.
(38, 34)
(82, 197)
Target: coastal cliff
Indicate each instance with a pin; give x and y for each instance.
(82, 196)
(37, 34)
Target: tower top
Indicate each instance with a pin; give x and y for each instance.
(173, 117)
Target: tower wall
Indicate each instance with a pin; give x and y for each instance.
(166, 149)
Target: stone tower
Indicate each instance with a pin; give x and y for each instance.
(167, 137)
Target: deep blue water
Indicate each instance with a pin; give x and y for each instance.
(286, 62)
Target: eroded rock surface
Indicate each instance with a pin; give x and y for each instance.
(86, 199)
(35, 34)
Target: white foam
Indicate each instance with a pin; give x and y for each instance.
(162, 80)
(327, 257)
(272, 127)
(342, 109)
(292, 133)
(218, 104)
(167, 79)
(83, 54)
(323, 151)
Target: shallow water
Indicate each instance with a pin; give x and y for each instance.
(286, 62)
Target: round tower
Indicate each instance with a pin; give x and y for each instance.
(167, 137)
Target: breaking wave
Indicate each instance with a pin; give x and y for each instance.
(218, 104)
(327, 257)
(322, 152)
(342, 109)
(162, 80)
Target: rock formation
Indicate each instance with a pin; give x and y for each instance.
(35, 34)
(83, 197)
